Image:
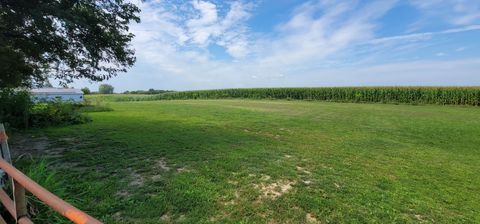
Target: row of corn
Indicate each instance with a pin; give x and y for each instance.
(403, 95)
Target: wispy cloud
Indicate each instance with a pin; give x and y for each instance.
(455, 12)
(423, 36)
(309, 37)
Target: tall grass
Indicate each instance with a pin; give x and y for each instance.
(38, 171)
(403, 95)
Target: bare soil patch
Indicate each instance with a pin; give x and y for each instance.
(311, 218)
(162, 164)
(274, 190)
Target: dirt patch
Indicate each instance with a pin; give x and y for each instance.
(165, 217)
(232, 182)
(265, 177)
(156, 177)
(307, 182)
(181, 218)
(276, 189)
(183, 169)
(420, 218)
(123, 194)
(303, 170)
(54, 152)
(233, 201)
(162, 164)
(24, 145)
(70, 165)
(68, 139)
(136, 179)
(117, 216)
(310, 218)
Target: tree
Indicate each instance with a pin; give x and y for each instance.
(86, 90)
(65, 40)
(45, 84)
(105, 89)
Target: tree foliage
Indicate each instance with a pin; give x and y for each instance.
(105, 89)
(64, 39)
(86, 90)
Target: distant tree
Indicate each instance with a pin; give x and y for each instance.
(105, 89)
(65, 40)
(86, 90)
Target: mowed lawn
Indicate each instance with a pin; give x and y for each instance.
(252, 161)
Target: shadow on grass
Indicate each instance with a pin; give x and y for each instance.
(141, 170)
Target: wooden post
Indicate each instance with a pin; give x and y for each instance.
(2, 221)
(19, 200)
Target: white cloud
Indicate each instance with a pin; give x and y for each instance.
(205, 26)
(308, 37)
(228, 32)
(455, 12)
(171, 35)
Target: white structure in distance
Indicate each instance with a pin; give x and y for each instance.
(57, 94)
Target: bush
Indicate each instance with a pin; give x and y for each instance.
(15, 107)
(86, 90)
(56, 113)
(18, 110)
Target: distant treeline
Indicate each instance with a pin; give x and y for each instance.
(403, 95)
(150, 91)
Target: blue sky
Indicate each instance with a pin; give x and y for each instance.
(183, 45)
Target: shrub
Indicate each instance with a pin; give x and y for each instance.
(15, 107)
(86, 90)
(56, 113)
(18, 110)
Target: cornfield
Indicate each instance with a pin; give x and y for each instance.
(401, 95)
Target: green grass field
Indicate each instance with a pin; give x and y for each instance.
(255, 161)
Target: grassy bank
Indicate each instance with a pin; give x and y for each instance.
(395, 95)
(255, 161)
